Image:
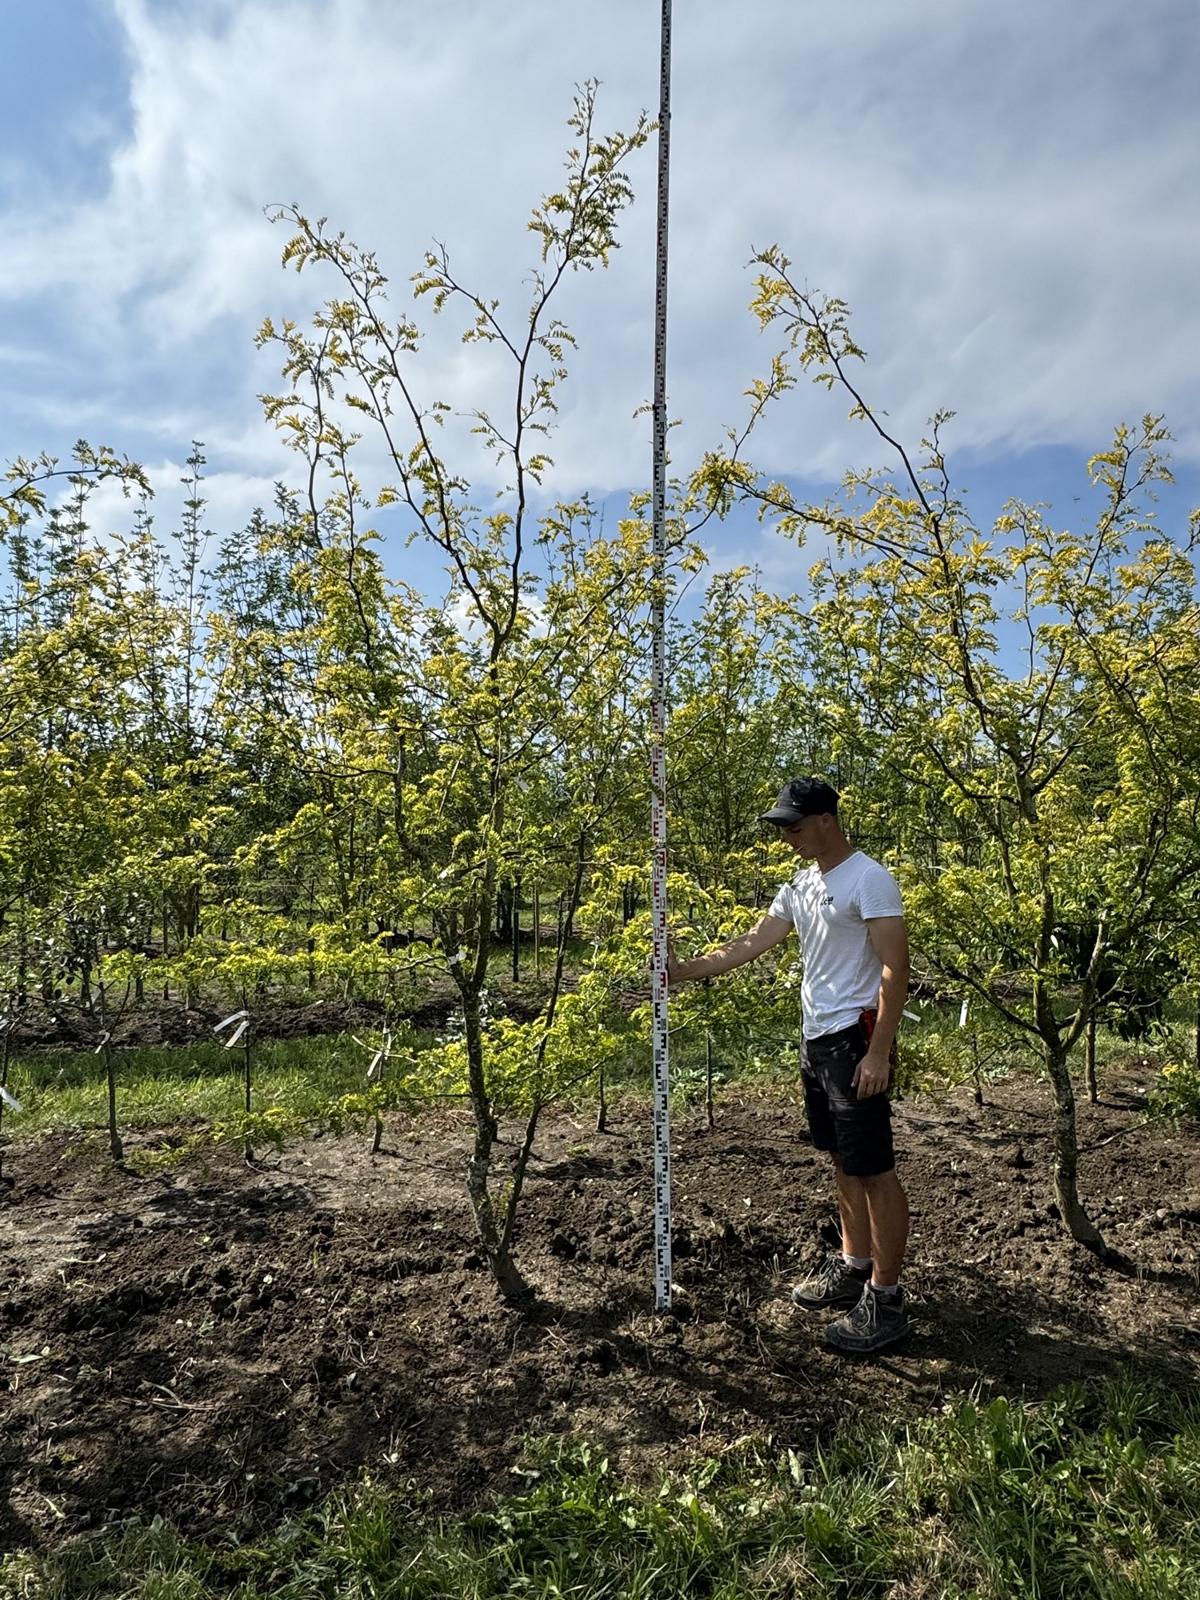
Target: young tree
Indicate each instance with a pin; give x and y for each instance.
(1010, 701)
(472, 728)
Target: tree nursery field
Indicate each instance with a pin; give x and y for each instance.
(223, 1345)
(325, 1165)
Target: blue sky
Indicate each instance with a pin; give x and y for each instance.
(1008, 197)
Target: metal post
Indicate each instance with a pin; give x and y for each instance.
(658, 760)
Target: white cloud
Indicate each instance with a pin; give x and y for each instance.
(1006, 196)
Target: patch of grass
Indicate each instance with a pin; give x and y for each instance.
(200, 1084)
(1090, 1495)
(182, 1085)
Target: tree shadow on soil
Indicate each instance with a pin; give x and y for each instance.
(241, 1213)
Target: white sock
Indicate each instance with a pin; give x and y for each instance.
(885, 1291)
(859, 1263)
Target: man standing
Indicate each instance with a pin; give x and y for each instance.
(847, 911)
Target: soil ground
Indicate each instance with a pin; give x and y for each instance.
(222, 1344)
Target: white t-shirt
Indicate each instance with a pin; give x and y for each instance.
(829, 911)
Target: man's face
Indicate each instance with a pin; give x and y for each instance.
(804, 837)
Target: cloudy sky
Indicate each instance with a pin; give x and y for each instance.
(1008, 197)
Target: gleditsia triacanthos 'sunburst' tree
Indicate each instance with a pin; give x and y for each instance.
(499, 721)
(1021, 706)
(736, 725)
(72, 693)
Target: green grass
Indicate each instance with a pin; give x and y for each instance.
(166, 1087)
(196, 1084)
(1086, 1496)
(201, 1083)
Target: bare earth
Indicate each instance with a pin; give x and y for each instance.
(222, 1345)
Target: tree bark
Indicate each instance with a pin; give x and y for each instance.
(1066, 1153)
(116, 1148)
(495, 1248)
(5, 1055)
(708, 1078)
(1089, 1065)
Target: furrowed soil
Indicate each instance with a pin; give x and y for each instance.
(222, 1344)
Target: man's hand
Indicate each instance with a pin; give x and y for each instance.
(872, 1075)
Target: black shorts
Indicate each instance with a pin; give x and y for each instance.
(858, 1132)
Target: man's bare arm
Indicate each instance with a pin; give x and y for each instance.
(889, 940)
(765, 935)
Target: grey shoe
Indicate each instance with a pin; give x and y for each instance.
(873, 1324)
(834, 1284)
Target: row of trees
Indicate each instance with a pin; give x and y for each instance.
(269, 761)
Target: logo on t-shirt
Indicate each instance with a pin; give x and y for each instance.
(826, 900)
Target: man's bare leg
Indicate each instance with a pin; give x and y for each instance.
(880, 1317)
(855, 1214)
(887, 1206)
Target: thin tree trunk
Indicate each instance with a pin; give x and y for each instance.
(116, 1148)
(708, 1078)
(602, 1107)
(22, 992)
(5, 1056)
(976, 1074)
(378, 1139)
(522, 1162)
(1066, 1153)
(114, 1137)
(248, 1149)
(495, 1247)
(1089, 1063)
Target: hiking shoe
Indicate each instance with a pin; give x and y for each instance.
(835, 1284)
(873, 1324)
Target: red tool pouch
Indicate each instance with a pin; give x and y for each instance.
(868, 1017)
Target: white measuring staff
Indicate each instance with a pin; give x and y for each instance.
(658, 712)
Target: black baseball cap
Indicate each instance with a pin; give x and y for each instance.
(802, 797)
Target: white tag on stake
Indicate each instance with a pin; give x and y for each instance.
(237, 1034)
(234, 1016)
(10, 1100)
(962, 1015)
